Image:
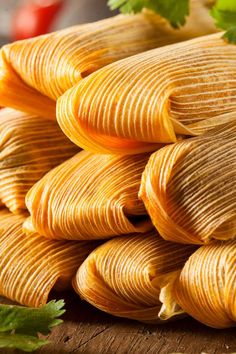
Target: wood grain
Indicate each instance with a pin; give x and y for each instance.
(89, 331)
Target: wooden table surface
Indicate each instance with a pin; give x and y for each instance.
(89, 331)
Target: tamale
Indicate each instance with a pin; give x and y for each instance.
(132, 276)
(206, 288)
(30, 146)
(89, 197)
(35, 72)
(154, 97)
(32, 266)
(189, 188)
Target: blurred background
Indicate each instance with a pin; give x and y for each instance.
(20, 19)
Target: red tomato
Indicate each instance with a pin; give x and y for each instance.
(34, 18)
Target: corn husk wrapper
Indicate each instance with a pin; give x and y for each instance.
(89, 197)
(206, 288)
(189, 188)
(30, 146)
(32, 266)
(35, 72)
(154, 97)
(132, 276)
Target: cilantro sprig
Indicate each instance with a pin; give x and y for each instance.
(224, 13)
(176, 11)
(20, 326)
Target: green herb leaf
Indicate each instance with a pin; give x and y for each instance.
(226, 5)
(172, 10)
(20, 326)
(224, 19)
(224, 13)
(230, 35)
(21, 341)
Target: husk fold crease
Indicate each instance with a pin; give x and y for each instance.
(30, 146)
(189, 188)
(90, 196)
(32, 266)
(132, 276)
(36, 71)
(206, 287)
(159, 96)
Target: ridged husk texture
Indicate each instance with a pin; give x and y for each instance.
(30, 146)
(189, 188)
(132, 276)
(154, 97)
(32, 266)
(89, 197)
(35, 72)
(206, 288)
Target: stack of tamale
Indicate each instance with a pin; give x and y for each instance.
(118, 168)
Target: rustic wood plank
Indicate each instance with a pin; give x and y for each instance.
(89, 331)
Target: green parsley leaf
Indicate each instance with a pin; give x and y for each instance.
(226, 5)
(20, 326)
(172, 10)
(230, 35)
(21, 341)
(224, 13)
(224, 19)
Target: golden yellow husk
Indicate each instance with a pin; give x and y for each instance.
(89, 197)
(35, 72)
(189, 188)
(206, 288)
(132, 276)
(32, 266)
(154, 97)
(30, 146)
